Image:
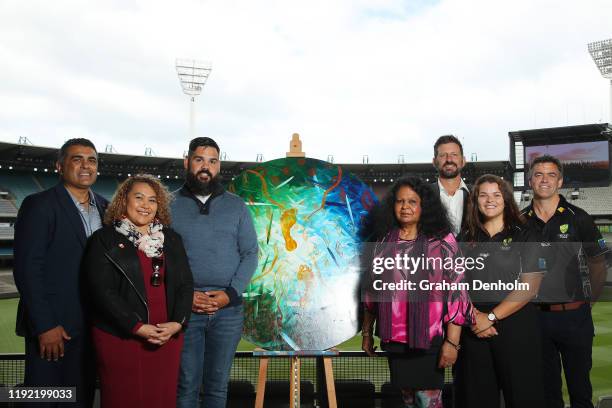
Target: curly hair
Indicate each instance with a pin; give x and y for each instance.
(475, 220)
(434, 222)
(118, 207)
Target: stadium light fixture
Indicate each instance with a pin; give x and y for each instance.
(601, 52)
(192, 75)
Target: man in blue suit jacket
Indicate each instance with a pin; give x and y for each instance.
(50, 234)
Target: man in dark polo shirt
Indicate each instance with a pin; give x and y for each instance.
(575, 245)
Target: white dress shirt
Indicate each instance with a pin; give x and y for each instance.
(454, 205)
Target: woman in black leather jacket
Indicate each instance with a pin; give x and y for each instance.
(140, 288)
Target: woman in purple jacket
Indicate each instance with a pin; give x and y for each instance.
(418, 322)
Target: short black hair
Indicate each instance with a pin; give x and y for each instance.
(79, 141)
(546, 158)
(202, 142)
(447, 139)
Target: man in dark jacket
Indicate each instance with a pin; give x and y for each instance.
(50, 233)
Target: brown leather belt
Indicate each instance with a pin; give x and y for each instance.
(561, 307)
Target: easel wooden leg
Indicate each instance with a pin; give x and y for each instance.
(261, 382)
(294, 385)
(329, 382)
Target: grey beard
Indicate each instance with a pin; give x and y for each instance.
(449, 175)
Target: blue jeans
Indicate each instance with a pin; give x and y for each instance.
(206, 360)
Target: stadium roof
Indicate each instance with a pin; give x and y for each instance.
(565, 134)
(26, 156)
(29, 157)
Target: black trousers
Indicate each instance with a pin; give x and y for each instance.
(510, 362)
(75, 369)
(568, 339)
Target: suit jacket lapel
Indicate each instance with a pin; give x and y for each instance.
(466, 197)
(101, 205)
(72, 213)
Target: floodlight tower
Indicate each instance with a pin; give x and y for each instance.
(192, 75)
(601, 52)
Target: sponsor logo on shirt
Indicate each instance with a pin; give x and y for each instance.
(506, 244)
(563, 228)
(542, 263)
(602, 243)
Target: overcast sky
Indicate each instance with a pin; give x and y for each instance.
(352, 77)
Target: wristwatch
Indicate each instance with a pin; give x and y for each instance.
(492, 318)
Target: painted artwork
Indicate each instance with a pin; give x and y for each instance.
(307, 214)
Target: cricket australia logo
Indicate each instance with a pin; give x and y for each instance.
(506, 244)
(563, 229)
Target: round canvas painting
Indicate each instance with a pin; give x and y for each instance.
(307, 214)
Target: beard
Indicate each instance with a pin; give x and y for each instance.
(449, 173)
(199, 187)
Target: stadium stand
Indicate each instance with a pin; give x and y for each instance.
(7, 209)
(360, 381)
(19, 184)
(7, 233)
(106, 187)
(46, 180)
(605, 402)
(597, 201)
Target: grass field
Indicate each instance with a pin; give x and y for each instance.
(601, 374)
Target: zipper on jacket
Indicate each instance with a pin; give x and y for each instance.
(131, 283)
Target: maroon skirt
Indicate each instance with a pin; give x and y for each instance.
(134, 373)
(137, 374)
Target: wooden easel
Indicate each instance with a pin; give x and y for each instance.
(294, 374)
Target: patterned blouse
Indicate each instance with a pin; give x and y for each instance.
(418, 316)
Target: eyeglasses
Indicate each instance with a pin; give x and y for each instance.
(156, 277)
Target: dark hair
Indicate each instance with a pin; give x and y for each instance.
(202, 142)
(434, 220)
(118, 206)
(61, 154)
(475, 223)
(547, 158)
(447, 139)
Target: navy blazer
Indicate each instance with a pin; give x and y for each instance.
(49, 244)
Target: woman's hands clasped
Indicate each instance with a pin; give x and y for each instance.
(483, 327)
(160, 333)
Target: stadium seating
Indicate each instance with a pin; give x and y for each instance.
(7, 209)
(7, 233)
(106, 187)
(19, 184)
(594, 200)
(355, 393)
(605, 402)
(47, 180)
(173, 184)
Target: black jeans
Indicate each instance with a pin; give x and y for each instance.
(567, 338)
